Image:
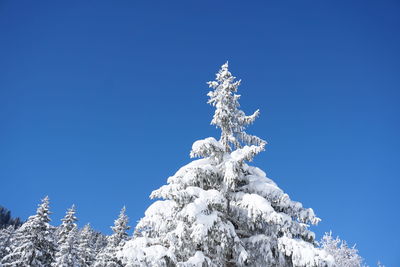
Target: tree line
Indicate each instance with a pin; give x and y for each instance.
(37, 243)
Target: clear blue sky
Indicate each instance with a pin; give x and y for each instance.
(100, 101)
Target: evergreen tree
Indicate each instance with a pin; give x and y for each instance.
(68, 223)
(86, 252)
(67, 254)
(120, 229)
(33, 243)
(99, 240)
(218, 210)
(108, 256)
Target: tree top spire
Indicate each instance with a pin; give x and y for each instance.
(228, 117)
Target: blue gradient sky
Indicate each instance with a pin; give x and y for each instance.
(100, 101)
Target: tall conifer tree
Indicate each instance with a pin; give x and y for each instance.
(33, 243)
(67, 254)
(108, 256)
(220, 211)
(67, 225)
(86, 251)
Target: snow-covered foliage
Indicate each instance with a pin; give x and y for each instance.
(33, 244)
(227, 116)
(344, 255)
(67, 254)
(108, 256)
(6, 235)
(218, 210)
(120, 229)
(99, 241)
(67, 225)
(86, 247)
(37, 243)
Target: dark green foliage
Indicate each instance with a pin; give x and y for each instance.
(6, 219)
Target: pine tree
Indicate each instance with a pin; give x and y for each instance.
(86, 251)
(218, 210)
(67, 254)
(33, 243)
(108, 256)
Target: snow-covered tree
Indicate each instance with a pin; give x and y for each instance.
(120, 229)
(99, 241)
(67, 225)
(33, 244)
(6, 235)
(344, 255)
(108, 256)
(67, 254)
(218, 210)
(86, 251)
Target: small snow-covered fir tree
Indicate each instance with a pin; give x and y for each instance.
(33, 244)
(67, 225)
(108, 256)
(120, 229)
(218, 210)
(86, 251)
(67, 254)
(344, 255)
(99, 241)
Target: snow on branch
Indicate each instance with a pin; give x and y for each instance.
(208, 147)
